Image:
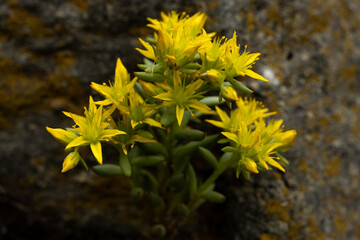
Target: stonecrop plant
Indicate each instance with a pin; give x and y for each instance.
(181, 111)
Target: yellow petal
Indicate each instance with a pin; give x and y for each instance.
(111, 132)
(255, 75)
(152, 122)
(222, 114)
(201, 107)
(273, 163)
(77, 142)
(121, 74)
(102, 89)
(61, 134)
(172, 59)
(149, 52)
(194, 86)
(79, 120)
(96, 150)
(216, 123)
(179, 113)
(164, 96)
(139, 138)
(231, 136)
(263, 163)
(251, 58)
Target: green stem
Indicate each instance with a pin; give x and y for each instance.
(197, 201)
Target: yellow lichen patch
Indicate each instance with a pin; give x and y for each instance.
(64, 60)
(140, 31)
(333, 166)
(250, 21)
(278, 210)
(273, 13)
(324, 122)
(356, 128)
(315, 232)
(268, 236)
(303, 166)
(340, 225)
(22, 22)
(294, 230)
(81, 4)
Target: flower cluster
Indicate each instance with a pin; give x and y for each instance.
(255, 143)
(186, 75)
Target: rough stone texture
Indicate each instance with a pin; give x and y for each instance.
(51, 50)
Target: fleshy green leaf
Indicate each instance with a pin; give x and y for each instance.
(213, 196)
(209, 157)
(239, 86)
(189, 134)
(147, 161)
(125, 165)
(108, 170)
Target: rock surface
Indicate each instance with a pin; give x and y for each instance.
(50, 51)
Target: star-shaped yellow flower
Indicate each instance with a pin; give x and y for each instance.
(116, 92)
(184, 97)
(92, 129)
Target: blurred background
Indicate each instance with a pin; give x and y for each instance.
(50, 51)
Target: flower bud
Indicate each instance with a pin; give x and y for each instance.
(71, 160)
(214, 76)
(229, 93)
(250, 165)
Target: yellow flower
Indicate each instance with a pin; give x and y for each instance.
(149, 52)
(173, 21)
(92, 129)
(138, 111)
(212, 53)
(117, 91)
(178, 38)
(247, 111)
(274, 132)
(240, 65)
(258, 143)
(184, 97)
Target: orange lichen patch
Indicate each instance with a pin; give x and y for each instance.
(273, 13)
(37, 161)
(324, 122)
(337, 117)
(268, 236)
(64, 60)
(250, 21)
(16, 88)
(279, 210)
(330, 139)
(140, 31)
(81, 4)
(303, 166)
(340, 225)
(294, 101)
(22, 22)
(317, 23)
(333, 166)
(277, 175)
(212, 5)
(356, 128)
(348, 72)
(294, 230)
